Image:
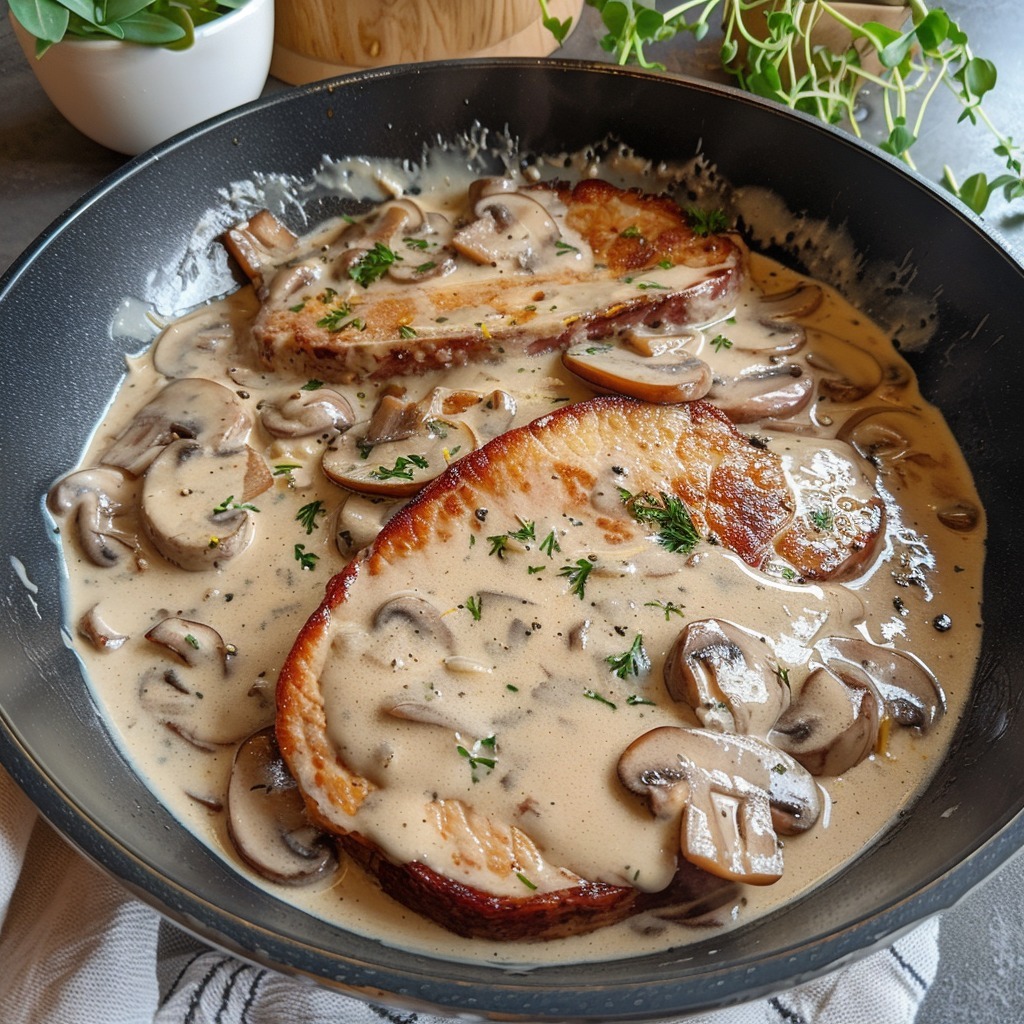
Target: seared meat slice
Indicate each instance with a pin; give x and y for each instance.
(489, 617)
(526, 270)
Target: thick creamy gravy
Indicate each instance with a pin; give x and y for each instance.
(514, 631)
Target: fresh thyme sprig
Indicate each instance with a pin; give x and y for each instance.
(766, 42)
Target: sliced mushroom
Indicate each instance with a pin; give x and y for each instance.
(417, 614)
(721, 786)
(795, 797)
(396, 469)
(267, 818)
(839, 521)
(910, 693)
(95, 628)
(378, 228)
(770, 328)
(846, 373)
(259, 244)
(91, 499)
(194, 694)
(665, 378)
(195, 504)
(189, 407)
(769, 391)
(305, 413)
(195, 643)
(728, 677)
(833, 725)
(360, 519)
(888, 436)
(427, 251)
(509, 227)
(194, 343)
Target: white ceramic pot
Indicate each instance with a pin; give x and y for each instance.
(130, 97)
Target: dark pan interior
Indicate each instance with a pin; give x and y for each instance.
(61, 363)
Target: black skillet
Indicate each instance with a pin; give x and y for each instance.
(61, 360)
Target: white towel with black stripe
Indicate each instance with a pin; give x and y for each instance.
(75, 948)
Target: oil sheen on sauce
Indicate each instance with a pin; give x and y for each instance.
(921, 595)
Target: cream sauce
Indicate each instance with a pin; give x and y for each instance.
(922, 595)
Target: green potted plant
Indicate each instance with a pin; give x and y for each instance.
(814, 56)
(131, 73)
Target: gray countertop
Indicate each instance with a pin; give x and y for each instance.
(45, 165)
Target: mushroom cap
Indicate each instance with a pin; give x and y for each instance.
(304, 413)
(188, 407)
(721, 785)
(91, 498)
(834, 723)
(267, 819)
(727, 675)
(667, 377)
(193, 502)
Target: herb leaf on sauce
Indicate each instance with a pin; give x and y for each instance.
(307, 515)
(675, 527)
(373, 265)
(577, 574)
(632, 662)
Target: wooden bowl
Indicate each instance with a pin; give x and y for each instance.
(317, 39)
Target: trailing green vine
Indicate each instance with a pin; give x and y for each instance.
(780, 62)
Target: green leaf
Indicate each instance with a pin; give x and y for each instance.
(118, 10)
(151, 29)
(901, 138)
(893, 54)
(932, 30)
(47, 20)
(979, 77)
(615, 15)
(649, 22)
(975, 192)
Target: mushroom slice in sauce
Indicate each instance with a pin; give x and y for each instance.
(396, 468)
(201, 340)
(728, 677)
(304, 413)
(833, 725)
(509, 227)
(267, 818)
(379, 228)
(721, 785)
(95, 628)
(195, 503)
(846, 373)
(769, 328)
(195, 643)
(762, 392)
(667, 377)
(911, 694)
(91, 498)
(839, 520)
(418, 614)
(259, 243)
(189, 407)
(360, 519)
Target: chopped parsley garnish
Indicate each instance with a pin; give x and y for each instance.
(499, 544)
(719, 342)
(647, 285)
(564, 247)
(229, 504)
(284, 468)
(670, 608)
(634, 699)
(425, 268)
(306, 559)
(594, 695)
(823, 518)
(401, 469)
(577, 575)
(312, 385)
(474, 606)
(476, 757)
(632, 662)
(307, 515)
(706, 222)
(415, 243)
(191, 640)
(373, 264)
(334, 321)
(631, 232)
(675, 527)
(522, 878)
(549, 545)
(405, 331)
(525, 532)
